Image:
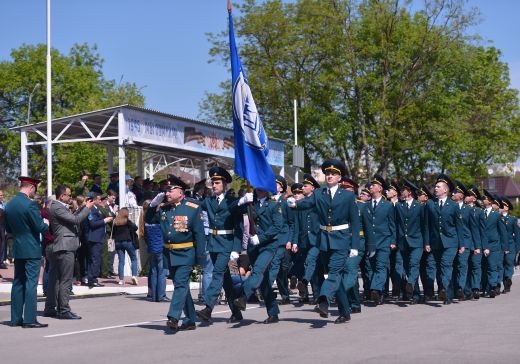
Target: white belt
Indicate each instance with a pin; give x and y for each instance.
(330, 228)
(221, 232)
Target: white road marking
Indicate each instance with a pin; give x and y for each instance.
(128, 325)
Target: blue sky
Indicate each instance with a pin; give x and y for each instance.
(161, 44)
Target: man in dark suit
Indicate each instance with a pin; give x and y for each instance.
(412, 236)
(96, 236)
(96, 186)
(446, 237)
(378, 218)
(65, 228)
(24, 222)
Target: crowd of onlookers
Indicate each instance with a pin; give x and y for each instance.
(109, 232)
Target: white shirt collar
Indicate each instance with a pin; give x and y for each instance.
(377, 200)
(460, 204)
(444, 199)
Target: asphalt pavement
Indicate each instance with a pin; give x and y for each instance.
(129, 329)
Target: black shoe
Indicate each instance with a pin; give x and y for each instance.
(271, 320)
(409, 289)
(396, 292)
(497, 289)
(165, 299)
(507, 284)
(68, 316)
(34, 325)
(476, 294)
(240, 303)
(492, 293)
(414, 300)
(50, 314)
(292, 282)
(173, 324)
(3, 266)
(459, 294)
(95, 284)
(14, 324)
(187, 326)
(322, 308)
(284, 301)
(235, 318)
(355, 310)
(442, 294)
(302, 289)
(304, 299)
(342, 319)
(447, 301)
(204, 315)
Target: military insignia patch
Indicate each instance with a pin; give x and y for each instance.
(191, 204)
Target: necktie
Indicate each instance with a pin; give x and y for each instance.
(487, 213)
(409, 205)
(219, 199)
(330, 194)
(441, 204)
(375, 204)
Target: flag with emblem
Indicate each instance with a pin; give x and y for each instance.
(251, 144)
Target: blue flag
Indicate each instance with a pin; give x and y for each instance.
(251, 144)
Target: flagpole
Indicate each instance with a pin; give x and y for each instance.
(49, 101)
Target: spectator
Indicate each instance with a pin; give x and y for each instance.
(82, 252)
(122, 234)
(138, 191)
(96, 186)
(157, 276)
(114, 185)
(131, 200)
(81, 186)
(148, 193)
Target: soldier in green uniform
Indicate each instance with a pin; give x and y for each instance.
(263, 243)
(24, 222)
(224, 243)
(184, 239)
(513, 235)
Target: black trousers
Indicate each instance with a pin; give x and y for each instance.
(61, 272)
(94, 260)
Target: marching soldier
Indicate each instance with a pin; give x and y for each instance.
(24, 222)
(472, 289)
(513, 234)
(495, 244)
(412, 237)
(378, 219)
(262, 247)
(446, 237)
(184, 241)
(460, 266)
(305, 242)
(339, 231)
(224, 243)
(397, 274)
(279, 268)
(424, 196)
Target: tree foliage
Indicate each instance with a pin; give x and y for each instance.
(383, 88)
(78, 85)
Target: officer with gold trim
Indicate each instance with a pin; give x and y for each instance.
(184, 239)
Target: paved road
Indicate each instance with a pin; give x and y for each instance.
(129, 329)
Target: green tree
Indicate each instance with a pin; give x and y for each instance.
(78, 85)
(384, 89)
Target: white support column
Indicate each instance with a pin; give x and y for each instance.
(110, 150)
(140, 161)
(150, 168)
(23, 153)
(122, 158)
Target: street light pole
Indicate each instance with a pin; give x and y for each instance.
(49, 100)
(30, 100)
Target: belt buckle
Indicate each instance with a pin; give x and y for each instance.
(328, 228)
(214, 231)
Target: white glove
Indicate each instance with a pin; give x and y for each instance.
(157, 199)
(254, 240)
(291, 202)
(233, 256)
(371, 254)
(248, 197)
(353, 253)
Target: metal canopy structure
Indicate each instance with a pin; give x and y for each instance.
(161, 140)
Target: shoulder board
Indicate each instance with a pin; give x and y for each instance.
(191, 204)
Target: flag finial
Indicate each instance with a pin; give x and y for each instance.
(229, 6)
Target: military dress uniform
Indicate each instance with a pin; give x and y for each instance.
(513, 234)
(24, 222)
(279, 267)
(339, 232)
(380, 232)
(497, 243)
(184, 239)
(267, 216)
(412, 236)
(476, 227)
(225, 236)
(446, 236)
